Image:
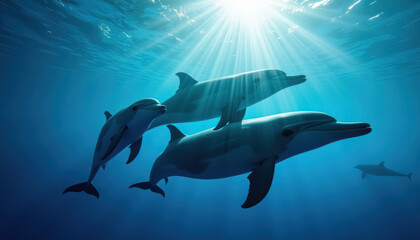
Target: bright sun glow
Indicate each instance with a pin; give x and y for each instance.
(245, 11)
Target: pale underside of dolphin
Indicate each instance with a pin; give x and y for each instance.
(121, 130)
(253, 146)
(226, 97)
(380, 170)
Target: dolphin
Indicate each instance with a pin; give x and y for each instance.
(380, 170)
(124, 128)
(227, 97)
(254, 146)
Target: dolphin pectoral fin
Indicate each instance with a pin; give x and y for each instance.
(134, 150)
(87, 187)
(260, 182)
(114, 141)
(166, 180)
(223, 121)
(230, 113)
(238, 116)
(103, 166)
(107, 115)
(146, 185)
(363, 174)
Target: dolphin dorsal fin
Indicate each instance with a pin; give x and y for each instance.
(382, 163)
(107, 115)
(185, 80)
(176, 134)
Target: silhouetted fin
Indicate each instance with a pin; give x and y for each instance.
(381, 164)
(260, 182)
(114, 141)
(409, 175)
(107, 115)
(157, 189)
(166, 180)
(238, 116)
(185, 80)
(134, 150)
(85, 186)
(363, 174)
(103, 166)
(230, 113)
(146, 185)
(176, 134)
(142, 185)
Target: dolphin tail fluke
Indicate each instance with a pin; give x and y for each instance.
(146, 186)
(87, 187)
(409, 175)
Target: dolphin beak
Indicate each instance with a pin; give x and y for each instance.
(297, 78)
(294, 80)
(157, 107)
(162, 108)
(342, 130)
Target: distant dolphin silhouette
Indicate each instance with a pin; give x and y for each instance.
(380, 170)
(227, 97)
(124, 128)
(254, 146)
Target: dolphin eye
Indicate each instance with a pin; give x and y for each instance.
(287, 132)
(134, 108)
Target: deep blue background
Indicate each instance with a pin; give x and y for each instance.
(64, 62)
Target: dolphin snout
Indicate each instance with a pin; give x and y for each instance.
(296, 78)
(162, 108)
(157, 107)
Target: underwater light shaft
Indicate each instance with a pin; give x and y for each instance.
(244, 11)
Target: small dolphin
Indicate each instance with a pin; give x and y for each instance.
(254, 146)
(380, 170)
(124, 128)
(227, 97)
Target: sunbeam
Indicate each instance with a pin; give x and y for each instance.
(244, 12)
(247, 34)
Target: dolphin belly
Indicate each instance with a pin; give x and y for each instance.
(235, 162)
(385, 173)
(180, 111)
(200, 105)
(126, 139)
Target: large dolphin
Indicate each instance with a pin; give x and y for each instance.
(124, 128)
(227, 97)
(380, 170)
(254, 146)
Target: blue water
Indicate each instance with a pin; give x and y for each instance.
(64, 62)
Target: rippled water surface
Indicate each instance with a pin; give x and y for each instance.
(64, 62)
